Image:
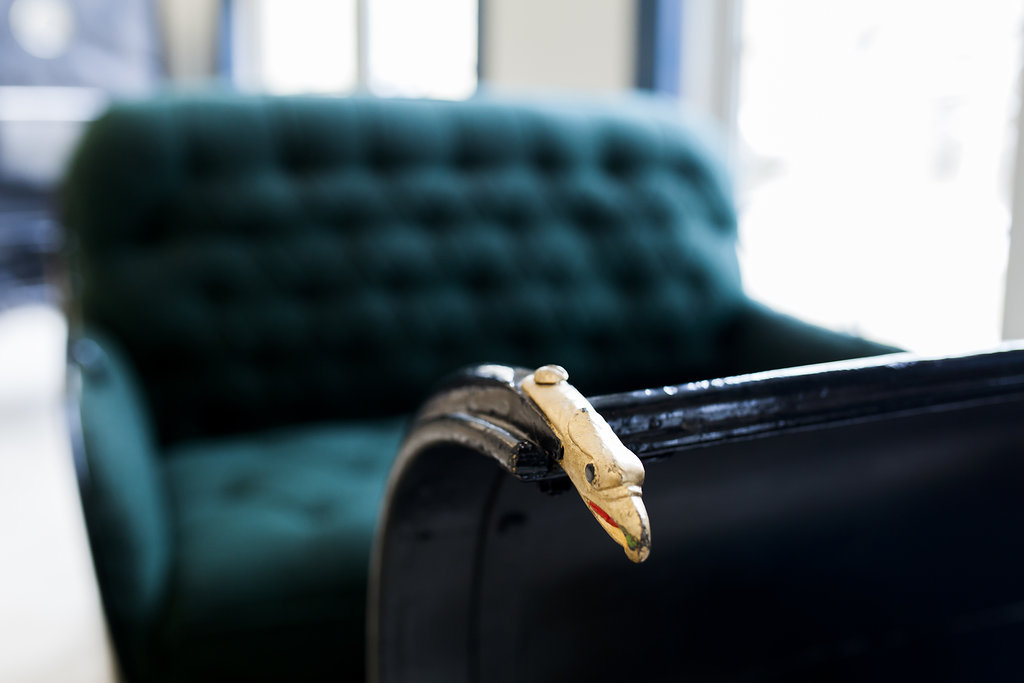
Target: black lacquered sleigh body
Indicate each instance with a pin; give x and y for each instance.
(859, 521)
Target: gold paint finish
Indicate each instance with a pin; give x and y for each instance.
(607, 475)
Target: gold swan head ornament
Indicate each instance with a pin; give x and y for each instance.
(608, 476)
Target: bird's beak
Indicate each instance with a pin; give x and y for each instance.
(625, 520)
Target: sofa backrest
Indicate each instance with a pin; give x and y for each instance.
(264, 261)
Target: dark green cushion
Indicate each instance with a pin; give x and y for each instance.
(269, 261)
(763, 339)
(122, 485)
(272, 534)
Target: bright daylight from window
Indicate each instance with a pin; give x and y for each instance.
(876, 145)
(303, 45)
(422, 49)
(410, 48)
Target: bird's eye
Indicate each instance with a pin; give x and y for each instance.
(589, 472)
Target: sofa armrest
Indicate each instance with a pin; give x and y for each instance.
(763, 339)
(122, 488)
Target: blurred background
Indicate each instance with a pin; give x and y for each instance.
(874, 149)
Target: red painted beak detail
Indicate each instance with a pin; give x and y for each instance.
(630, 540)
(602, 514)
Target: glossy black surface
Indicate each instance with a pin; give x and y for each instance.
(856, 522)
(665, 419)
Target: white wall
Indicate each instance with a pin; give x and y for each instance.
(189, 29)
(709, 58)
(1013, 301)
(558, 44)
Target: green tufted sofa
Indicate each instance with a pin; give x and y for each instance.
(262, 288)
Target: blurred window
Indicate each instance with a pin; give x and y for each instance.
(422, 49)
(306, 45)
(389, 47)
(876, 144)
(111, 45)
(60, 62)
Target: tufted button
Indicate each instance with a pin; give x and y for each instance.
(241, 487)
(620, 161)
(549, 161)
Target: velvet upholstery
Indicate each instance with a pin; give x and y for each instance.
(275, 282)
(128, 498)
(277, 249)
(296, 508)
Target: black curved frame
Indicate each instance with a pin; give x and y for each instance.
(480, 574)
